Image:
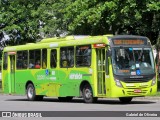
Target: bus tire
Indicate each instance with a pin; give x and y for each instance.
(31, 95)
(125, 99)
(88, 94)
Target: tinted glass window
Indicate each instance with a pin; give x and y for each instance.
(44, 58)
(83, 55)
(67, 57)
(22, 60)
(35, 59)
(53, 61)
(5, 61)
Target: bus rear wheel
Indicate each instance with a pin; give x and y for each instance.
(125, 99)
(31, 94)
(88, 94)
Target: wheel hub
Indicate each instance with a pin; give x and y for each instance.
(88, 93)
(30, 92)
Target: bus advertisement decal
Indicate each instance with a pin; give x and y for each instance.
(75, 76)
(47, 72)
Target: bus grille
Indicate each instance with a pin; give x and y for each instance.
(128, 79)
(135, 80)
(131, 92)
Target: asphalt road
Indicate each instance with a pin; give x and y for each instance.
(20, 103)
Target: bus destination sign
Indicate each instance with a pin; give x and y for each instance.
(128, 42)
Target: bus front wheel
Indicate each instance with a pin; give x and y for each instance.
(125, 99)
(88, 94)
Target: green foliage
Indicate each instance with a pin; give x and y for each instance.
(158, 44)
(114, 16)
(21, 19)
(34, 19)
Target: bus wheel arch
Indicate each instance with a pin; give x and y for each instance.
(31, 93)
(28, 82)
(86, 92)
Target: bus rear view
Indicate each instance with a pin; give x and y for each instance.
(133, 67)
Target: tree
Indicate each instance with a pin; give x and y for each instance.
(114, 16)
(28, 21)
(22, 20)
(158, 53)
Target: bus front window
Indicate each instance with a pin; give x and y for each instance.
(132, 61)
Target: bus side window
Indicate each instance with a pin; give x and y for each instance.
(31, 59)
(19, 60)
(22, 59)
(53, 57)
(5, 61)
(31, 65)
(37, 58)
(67, 57)
(83, 55)
(37, 66)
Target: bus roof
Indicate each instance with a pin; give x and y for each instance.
(60, 42)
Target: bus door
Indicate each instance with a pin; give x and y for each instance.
(12, 73)
(101, 86)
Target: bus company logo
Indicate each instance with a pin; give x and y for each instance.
(41, 77)
(77, 76)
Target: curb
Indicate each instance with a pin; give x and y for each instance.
(147, 98)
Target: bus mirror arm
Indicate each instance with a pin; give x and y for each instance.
(106, 64)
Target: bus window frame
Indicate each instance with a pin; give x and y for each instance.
(89, 46)
(42, 59)
(65, 60)
(55, 50)
(26, 59)
(5, 61)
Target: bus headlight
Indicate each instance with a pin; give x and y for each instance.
(154, 81)
(118, 83)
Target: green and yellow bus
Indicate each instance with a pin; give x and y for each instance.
(90, 67)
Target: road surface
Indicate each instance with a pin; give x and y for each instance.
(112, 107)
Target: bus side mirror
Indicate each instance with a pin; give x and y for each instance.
(109, 53)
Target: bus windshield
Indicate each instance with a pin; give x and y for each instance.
(132, 61)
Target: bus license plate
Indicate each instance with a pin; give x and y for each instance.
(137, 91)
